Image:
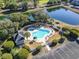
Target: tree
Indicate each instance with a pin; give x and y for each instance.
(24, 19)
(22, 54)
(1, 4)
(3, 33)
(7, 56)
(35, 3)
(53, 43)
(21, 18)
(14, 17)
(54, 2)
(65, 0)
(12, 6)
(16, 26)
(0, 53)
(27, 34)
(24, 6)
(27, 47)
(6, 23)
(40, 16)
(14, 51)
(8, 45)
(11, 31)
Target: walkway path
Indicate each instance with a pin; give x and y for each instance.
(1, 11)
(68, 51)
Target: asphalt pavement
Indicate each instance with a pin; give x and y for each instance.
(67, 51)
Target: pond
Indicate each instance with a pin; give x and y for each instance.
(63, 15)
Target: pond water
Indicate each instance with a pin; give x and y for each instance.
(63, 15)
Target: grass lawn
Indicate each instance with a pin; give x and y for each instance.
(56, 36)
(43, 1)
(2, 17)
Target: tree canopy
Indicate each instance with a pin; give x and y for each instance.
(23, 54)
(8, 44)
(7, 56)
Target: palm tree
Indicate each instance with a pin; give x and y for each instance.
(27, 34)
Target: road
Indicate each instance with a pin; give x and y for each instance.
(68, 51)
(4, 10)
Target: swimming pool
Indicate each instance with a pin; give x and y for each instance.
(63, 15)
(41, 34)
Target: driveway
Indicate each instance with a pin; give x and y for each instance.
(68, 51)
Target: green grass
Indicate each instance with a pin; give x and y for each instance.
(43, 1)
(2, 17)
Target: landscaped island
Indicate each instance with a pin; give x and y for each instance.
(31, 28)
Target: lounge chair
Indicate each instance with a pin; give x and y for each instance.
(31, 42)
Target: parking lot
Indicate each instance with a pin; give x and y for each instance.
(68, 51)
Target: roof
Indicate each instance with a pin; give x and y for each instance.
(19, 38)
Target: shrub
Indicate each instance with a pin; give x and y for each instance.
(7, 56)
(22, 54)
(0, 53)
(8, 45)
(39, 47)
(0, 57)
(75, 32)
(27, 47)
(50, 23)
(66, 33)
(3, 33)
(14, 51)
(54, 43)
(61, 40)
(37, 50)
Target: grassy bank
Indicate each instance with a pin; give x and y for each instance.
(72, 9)
(38, 9)
(67, 25)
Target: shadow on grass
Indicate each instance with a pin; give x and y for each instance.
(71, 39)
(13, 11)
(52, 44)
(61, 41)
(35, 52)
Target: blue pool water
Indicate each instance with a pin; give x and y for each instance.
(40, 33)
(64, 15)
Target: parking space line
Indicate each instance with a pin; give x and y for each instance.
(59, 54)
(65, 52)
(69, 49)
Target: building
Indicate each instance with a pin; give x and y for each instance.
(19, 39)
